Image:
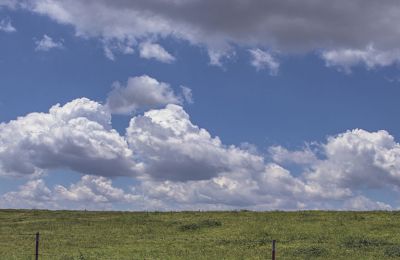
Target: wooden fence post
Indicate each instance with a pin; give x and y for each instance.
(37, 247)
(273, 249)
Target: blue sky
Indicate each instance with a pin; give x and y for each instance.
(290, 120)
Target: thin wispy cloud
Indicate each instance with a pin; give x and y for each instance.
(6, 26)
(264, 60)
(47, 43)
(187, 94)
(345, 59)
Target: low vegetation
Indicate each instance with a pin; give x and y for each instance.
(199, 235)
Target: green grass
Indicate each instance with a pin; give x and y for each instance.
(199, 235)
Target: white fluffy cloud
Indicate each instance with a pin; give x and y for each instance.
(359, 159)
(47, 43)
(173, 148)
(178, 165)
(282, 155)
(141, 92)
(149, 50)
(161, 144)
(94, 189)
(363, 203)
(6, 26)
(90, 192)
(289, 26)
(262, 60)
(33, 194)
(348, 164)
(270, 188)
(77, 136)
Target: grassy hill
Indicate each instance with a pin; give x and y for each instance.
(199, 235)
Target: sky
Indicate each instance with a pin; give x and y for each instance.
(199, 105)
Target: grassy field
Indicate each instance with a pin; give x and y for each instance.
(199, 235)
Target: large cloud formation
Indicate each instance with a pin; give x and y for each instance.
(77, 136)
(178, 165)
(175, 149)
(342, 29)
(91, 192)
(358, 159)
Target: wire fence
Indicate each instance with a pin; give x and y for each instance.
(36, 246)
(40, 245)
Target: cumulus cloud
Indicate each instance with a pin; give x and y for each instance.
(33, 194)
(155, 51)
(76, 136)
(270, 188)
(262, 60)
(47, 43)
(289, 26)
(282, 155)
(94, 189)
(6, 26)
(359, 159)
(353, 160)
(141, 92)
(347, 165)
(250, 184)
(90, 192)
(161, 144)
(364, 203)
(174, 148)
(175, 164)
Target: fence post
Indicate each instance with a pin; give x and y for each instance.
(37, 246)
(273, 249)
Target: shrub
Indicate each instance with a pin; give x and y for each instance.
(208, 223)
(362, 242)
(313, 251)
(393, 251)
